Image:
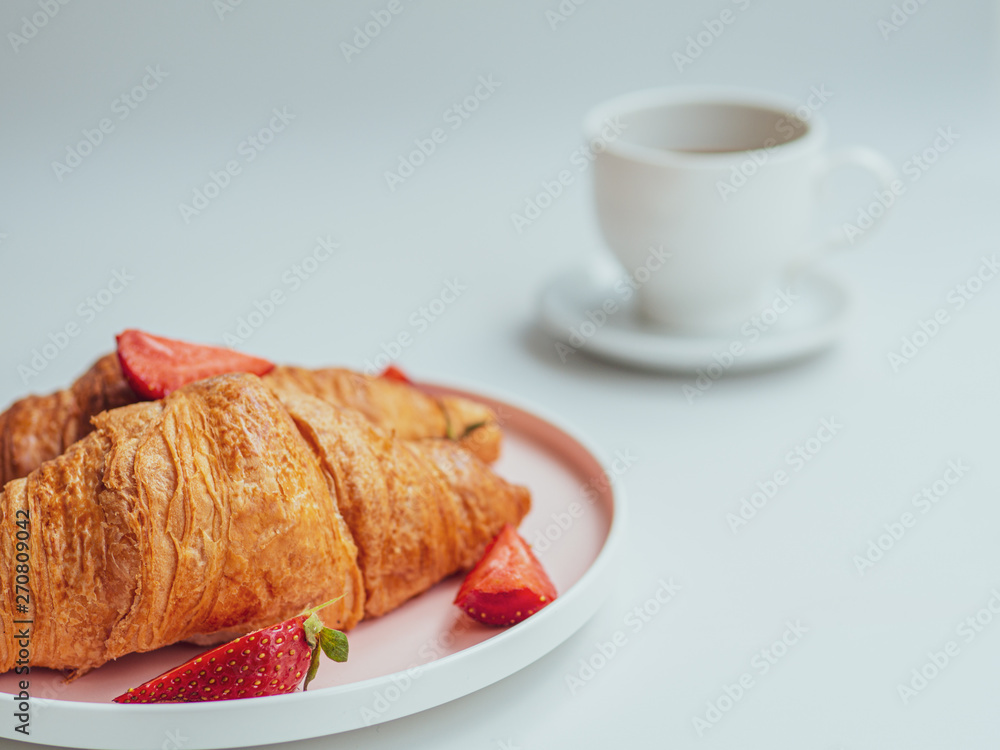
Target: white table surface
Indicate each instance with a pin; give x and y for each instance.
(323, 175)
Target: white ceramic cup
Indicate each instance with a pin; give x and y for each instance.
(726, 184)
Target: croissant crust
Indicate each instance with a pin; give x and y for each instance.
(222, 509)
(39, 428)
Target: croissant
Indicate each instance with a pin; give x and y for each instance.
(222, 509)
(39, 428)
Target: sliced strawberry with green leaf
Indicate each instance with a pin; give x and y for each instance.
(507, 585)
(394, 373)
(271, 661)
(156, 366)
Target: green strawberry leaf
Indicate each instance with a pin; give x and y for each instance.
(313, 668)
(473, 427)
(331, 642)
(334, 644)
(316, 609)
(451, 432)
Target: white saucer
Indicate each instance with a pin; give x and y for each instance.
(813, 323)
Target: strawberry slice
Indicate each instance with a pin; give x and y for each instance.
(155, 366)
(507, 585)
(394, 373)
(271, 661)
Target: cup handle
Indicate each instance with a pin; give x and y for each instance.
(871, 161)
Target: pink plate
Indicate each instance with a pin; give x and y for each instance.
(575, 527)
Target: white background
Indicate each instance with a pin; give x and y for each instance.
(324, 175)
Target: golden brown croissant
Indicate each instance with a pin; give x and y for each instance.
(39, 428)
(219, 509)
(396, 407)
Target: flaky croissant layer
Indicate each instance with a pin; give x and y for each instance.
(223, 509)
(39, 428)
